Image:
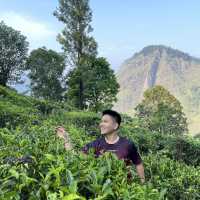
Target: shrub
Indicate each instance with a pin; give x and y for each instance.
(183, 148)
(12, 115)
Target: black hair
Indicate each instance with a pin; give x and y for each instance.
(113, 114)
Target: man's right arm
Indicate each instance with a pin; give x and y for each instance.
(140, 172)
(137, 161)
(86, 148)
(61, 133)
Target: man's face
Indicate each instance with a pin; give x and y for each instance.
(107, 125)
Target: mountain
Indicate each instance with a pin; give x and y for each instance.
(177, 71)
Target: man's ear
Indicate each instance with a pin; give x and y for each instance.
(116, 126)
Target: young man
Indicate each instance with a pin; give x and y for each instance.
(112, 142)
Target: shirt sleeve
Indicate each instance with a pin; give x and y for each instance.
(133, 154)
(92, 145)
(86, 148)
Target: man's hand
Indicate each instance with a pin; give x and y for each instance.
(61, 133)
(140, 172)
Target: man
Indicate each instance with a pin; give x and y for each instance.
(112, 142)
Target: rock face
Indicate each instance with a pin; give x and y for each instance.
(178, 72)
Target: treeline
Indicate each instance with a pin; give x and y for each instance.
(77, 78)
(77, 75)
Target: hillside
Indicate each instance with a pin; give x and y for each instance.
(178, 72)
(35, 165)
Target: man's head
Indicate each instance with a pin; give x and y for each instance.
(110, 121)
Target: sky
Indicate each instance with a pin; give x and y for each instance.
(121, 28)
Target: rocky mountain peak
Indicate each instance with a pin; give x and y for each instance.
(154, 65)
(160, 49)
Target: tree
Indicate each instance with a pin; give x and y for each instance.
(13, 53)
(45, 72)
(100, 85)
(162, 112)
(75, 39)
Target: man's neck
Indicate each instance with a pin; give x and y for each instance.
(112, 138)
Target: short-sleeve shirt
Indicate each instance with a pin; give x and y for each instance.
(124, 149)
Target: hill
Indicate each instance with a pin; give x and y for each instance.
(177, 71)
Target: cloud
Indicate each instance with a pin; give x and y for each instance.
(29, 27)
(38, 33)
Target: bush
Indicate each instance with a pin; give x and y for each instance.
(86, 120)
(10, 95)
(186, 149)
(181, 181)
(34, 164)
(45, 107)
(183, 148)
(17, 109)
(12, 115)
(49, 170)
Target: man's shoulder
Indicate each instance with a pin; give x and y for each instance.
(126, 140)
(93, 144)
(96, 142)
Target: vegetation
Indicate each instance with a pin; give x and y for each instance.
(35, 165)
(75, 39)
(91, 84)
(13, 53)
(33, 161)
(46, 73)
(100, 85)
(161, 112)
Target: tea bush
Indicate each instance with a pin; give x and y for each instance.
(182, 148)
(35, 165)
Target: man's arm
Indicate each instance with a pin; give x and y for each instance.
(140, 172)
(137, 161)
(61, 133)
(67, 144)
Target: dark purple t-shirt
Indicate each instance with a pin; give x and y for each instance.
(123, 148)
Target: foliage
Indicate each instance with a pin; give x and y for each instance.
(162, 112)
(99, 87)
(47, 169)
(179, 180)
(82, 119)
(13, 53)
(19, 110)
(181, 148)
(78, 122)
(12, 115)
(11, 95)
(45, 72)
(75, 38)
(35, 165)
(186, 149)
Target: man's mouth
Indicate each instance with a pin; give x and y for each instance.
(103, 129)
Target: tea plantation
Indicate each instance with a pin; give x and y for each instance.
(35, 165)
